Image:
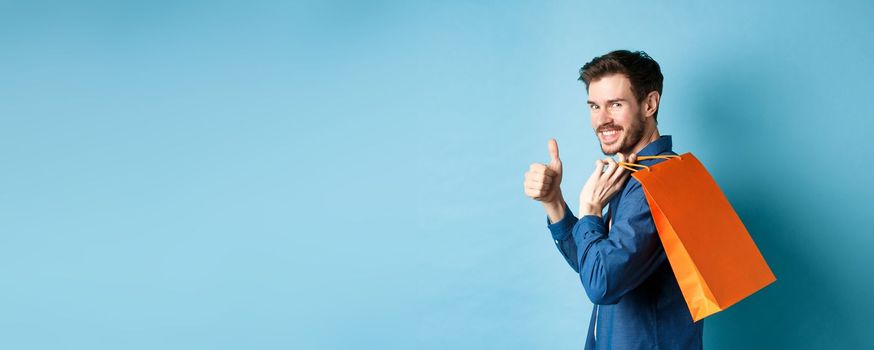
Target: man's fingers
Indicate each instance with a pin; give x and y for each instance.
(599, 165)
(532, 193)
(618, 175)
(533, 188)
(553, 150)
(535, 193)
(538, 181)
(622, 171)
(549, 172)
(599, 168)
(611, 166)
(534, 179)
(537, 168)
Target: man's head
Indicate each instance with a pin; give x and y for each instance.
(624, 91)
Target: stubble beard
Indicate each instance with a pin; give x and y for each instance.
(629, 140)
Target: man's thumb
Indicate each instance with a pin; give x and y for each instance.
(553, 152)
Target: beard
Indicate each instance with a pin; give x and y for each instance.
(630, 139)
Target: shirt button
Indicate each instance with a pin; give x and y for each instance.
(556, 241)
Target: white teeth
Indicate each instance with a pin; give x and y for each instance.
(608, 132)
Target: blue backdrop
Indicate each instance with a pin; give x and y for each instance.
(337, 175)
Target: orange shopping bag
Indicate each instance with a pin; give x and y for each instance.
(713, 256)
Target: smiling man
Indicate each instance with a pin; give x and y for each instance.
(618, 256)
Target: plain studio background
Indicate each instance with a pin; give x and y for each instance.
(330, 175)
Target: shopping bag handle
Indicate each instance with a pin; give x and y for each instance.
(630, 166)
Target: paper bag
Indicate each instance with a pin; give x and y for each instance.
(710, 251)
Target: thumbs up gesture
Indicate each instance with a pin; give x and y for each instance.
(543, 181)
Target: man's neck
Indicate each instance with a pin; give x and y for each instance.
(644, 141)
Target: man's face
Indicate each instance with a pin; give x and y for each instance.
(616, 115)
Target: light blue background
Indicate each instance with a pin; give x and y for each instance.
(339, 175)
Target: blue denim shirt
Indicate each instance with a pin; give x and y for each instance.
(626, 274)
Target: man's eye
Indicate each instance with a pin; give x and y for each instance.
(616, 105)
(593, 106)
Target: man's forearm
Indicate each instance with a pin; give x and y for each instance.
(555, 209)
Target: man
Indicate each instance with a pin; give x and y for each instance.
(620, 259)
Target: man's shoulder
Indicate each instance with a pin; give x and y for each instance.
(659, 160)
(633, 188)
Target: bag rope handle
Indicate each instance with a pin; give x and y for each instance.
(630, 166)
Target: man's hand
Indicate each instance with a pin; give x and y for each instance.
(603, 185)
(543, 181)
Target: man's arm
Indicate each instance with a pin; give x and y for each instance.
(600, 186)
(543, 183)
(556, 210)
(562, 235)
(612, 265)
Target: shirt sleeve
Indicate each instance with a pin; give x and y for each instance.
(562, 235)
(610, 265)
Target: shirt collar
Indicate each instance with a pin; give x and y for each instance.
(661, 145)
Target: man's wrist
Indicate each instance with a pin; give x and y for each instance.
(557, 204)
(590, 209)
(555, 209)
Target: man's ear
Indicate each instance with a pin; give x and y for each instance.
(651, 103)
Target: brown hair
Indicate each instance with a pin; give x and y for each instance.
(641, 70)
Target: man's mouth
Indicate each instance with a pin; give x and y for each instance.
(609, 136)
